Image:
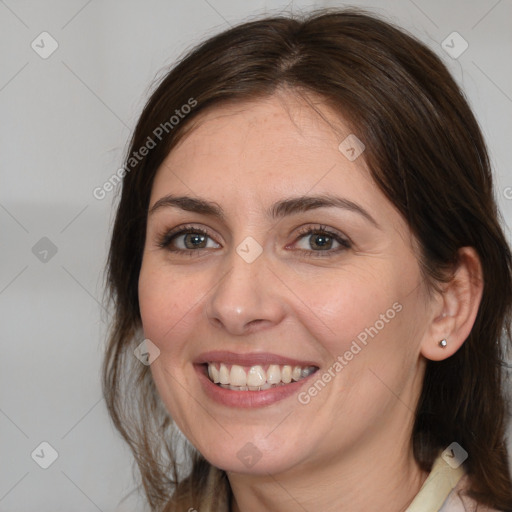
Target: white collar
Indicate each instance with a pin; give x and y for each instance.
(437, 487)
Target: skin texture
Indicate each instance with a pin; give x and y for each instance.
(349, 447)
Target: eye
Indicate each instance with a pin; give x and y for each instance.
(188, 239)
(312, 241)
(320, 240)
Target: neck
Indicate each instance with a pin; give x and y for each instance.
(378, 479)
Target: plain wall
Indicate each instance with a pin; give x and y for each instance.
(65, 122)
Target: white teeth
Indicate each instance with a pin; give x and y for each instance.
(237, 376)
(213, 373)
(286, 374)
(256, 378)
(237, 388)
(223, 374)
(274, 374)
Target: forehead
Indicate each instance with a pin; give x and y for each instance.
(283, 142)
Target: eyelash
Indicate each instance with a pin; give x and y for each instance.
(322, 230)
(165, 240)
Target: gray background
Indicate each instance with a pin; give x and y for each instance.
(65, 121)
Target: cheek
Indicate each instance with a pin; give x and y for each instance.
(347, 302)
(364, 318)
(167, 304)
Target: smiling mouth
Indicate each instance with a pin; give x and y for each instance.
(256, 378)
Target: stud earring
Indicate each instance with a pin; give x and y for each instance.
(443, 343)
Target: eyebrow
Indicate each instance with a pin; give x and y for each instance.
(278, 210)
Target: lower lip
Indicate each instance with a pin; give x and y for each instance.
(247, 399)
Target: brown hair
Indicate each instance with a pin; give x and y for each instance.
(426, 153)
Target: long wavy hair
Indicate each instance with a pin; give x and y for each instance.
(425, 152)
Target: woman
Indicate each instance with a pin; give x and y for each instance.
(308, 244)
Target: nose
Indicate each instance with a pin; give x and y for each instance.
(247, 298)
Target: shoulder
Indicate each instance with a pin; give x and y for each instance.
(459, 501)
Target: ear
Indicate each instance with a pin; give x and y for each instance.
(456, 307)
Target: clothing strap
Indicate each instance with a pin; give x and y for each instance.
(437, 487)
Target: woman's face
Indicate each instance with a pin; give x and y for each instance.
(271, 253)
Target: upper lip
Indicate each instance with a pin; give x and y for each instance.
(250, 359)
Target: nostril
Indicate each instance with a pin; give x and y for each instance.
(257, 321)
(216, 322)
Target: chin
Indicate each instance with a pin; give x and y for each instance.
(253, 457)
